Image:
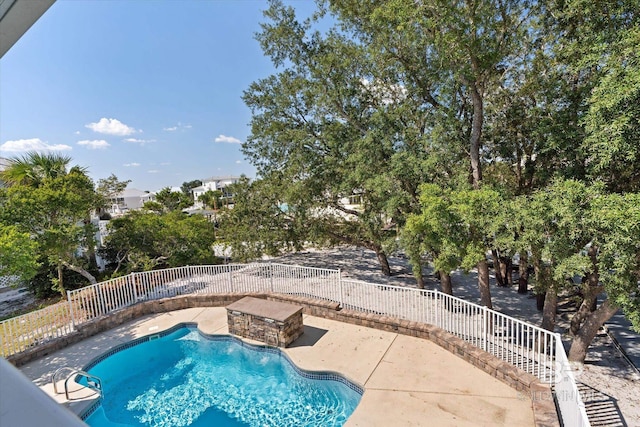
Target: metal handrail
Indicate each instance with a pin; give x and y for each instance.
(93, 382)
(55, 374)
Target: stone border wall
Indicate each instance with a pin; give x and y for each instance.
(544, 409)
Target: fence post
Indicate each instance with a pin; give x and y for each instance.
(73, 320)
(340, 287)
(557, 368)
(485, 328)
(132, 280)
(271, 276)
(230, 278)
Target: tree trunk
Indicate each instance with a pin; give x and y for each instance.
(61, 280)
(523, 274)
(588, 331)
(417, 273)
(384, 262)
(416, 266)
(497, 268)
(549, 310)
(542, 280)
(81, 271)
(445, 283)
(506, 266)
(91, 244)
(483, 283)
(581, 314)
(590, 291)
(476, 134)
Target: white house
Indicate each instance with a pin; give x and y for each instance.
(130, 199)
(4, 163)
(214, 184)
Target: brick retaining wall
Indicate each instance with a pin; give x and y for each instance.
(529, 386)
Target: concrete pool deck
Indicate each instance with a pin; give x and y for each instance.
(408, 381)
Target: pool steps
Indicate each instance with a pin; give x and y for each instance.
(66, 389)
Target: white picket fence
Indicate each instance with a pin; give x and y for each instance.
(525, 346)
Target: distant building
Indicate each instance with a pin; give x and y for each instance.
(129, 199)
(4, 164)
(221, 184)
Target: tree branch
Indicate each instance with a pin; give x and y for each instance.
(345, 210)
(81, 271)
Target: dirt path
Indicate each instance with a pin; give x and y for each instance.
(14, 299)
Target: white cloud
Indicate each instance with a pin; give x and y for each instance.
(139, 141)
(165, 164)
(77, 132)
(111, 127)
(134, 164)
(227, 139)
(33, 144)
(238, 162)
(176, 127)
(153, 171)
(94, 144)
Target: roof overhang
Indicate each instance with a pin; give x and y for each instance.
(16, 17)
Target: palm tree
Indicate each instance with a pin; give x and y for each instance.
(211, 199)
(35, 171)
(33, 168)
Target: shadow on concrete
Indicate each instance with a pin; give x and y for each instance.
(601, 408)
(79, 354)
(620, 330)
(310, 336)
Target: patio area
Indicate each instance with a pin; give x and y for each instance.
(408, 381)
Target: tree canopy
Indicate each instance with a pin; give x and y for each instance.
(51, 203)
(141, 241)
(464, 128)
(170, 201)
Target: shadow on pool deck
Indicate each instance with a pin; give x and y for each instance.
(309, 338)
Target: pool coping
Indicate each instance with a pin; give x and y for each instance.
(544, 409)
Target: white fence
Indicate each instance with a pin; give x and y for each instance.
(21, 332)
(9, 281)
(525, 346)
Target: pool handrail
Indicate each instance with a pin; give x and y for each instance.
(93, 382)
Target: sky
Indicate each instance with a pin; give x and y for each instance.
(148, 90)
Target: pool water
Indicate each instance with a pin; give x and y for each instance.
(187, 379)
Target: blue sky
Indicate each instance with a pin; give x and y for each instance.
(147, 90)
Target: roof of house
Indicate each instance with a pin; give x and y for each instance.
(221, 178)
(3, 163)
(132, 192)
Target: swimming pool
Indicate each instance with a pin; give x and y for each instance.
(183, 377)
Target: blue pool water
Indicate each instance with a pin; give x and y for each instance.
(188, 379)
